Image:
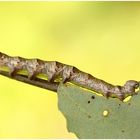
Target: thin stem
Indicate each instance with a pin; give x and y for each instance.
(36, 82)
(66, 73)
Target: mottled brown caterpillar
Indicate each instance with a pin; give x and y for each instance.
(56, 70)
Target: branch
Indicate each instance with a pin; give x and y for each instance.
(65, 73)
(36, 82)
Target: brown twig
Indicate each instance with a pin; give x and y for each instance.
(36, 82)
(54, 70)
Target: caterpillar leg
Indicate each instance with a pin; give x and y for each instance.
(14, 64)
(13, 68)
(107, 94)
(67, 73)
(51, 77)
(121, 97)
(50, 69)
(12, 72)
(32, 67)
(65, 79)
(31, 75)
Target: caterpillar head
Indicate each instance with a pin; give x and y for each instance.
(131, 85)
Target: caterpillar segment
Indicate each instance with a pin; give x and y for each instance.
(33, 67)
(56, 70)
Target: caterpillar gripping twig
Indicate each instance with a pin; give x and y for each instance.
(56, 70)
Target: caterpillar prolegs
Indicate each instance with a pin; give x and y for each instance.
(56, 70)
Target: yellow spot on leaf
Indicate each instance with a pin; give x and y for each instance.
(127, 99)
(105, 113)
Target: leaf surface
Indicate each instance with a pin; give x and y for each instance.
(84, 110)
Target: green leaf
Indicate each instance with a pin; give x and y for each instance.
(83, 111)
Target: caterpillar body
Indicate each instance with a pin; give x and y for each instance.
(56, 70)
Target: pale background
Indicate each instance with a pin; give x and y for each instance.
(102, 38)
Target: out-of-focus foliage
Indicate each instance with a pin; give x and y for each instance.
(101, 38)
(91, 116)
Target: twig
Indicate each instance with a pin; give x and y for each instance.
(36, 82)
(65, 73)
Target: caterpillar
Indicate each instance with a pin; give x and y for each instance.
(66, 73)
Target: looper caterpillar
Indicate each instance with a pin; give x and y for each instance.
(56, 70)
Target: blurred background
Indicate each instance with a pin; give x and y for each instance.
(101, 38)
